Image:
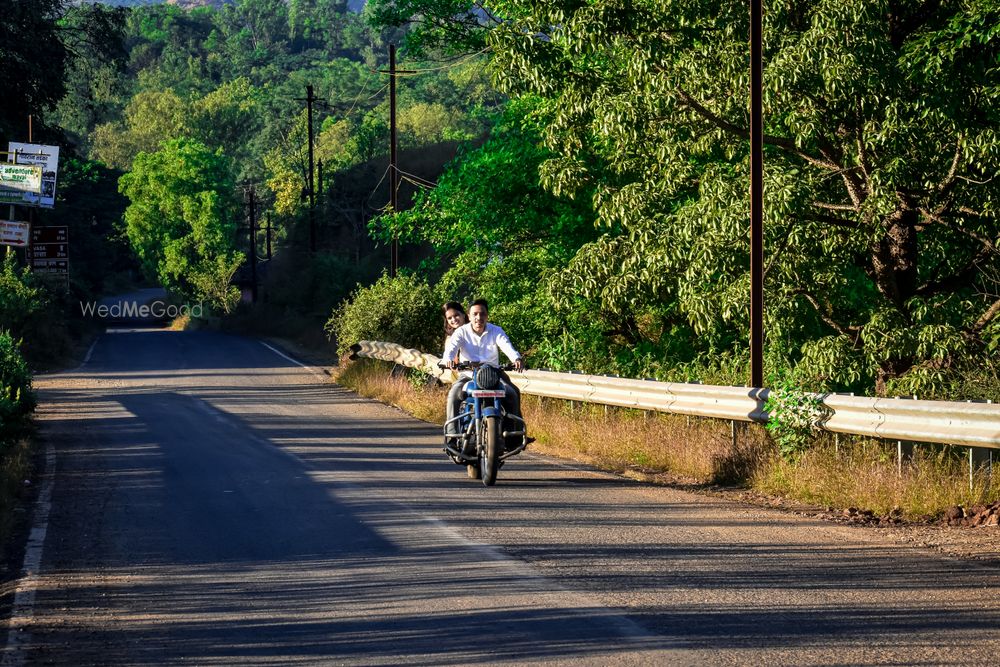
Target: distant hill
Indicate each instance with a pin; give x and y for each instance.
(180, 3)
(353, 5)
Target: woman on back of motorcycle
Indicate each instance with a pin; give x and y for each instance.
(454, 317)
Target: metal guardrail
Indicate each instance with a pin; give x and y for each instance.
(947, 422)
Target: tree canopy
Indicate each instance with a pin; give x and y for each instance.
(182, 219)
(881, 159)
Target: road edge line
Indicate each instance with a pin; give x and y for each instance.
(293, 360)
(23, 609)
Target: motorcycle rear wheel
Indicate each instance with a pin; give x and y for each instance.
(489, 454)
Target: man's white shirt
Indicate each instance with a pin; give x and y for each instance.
(485, 348)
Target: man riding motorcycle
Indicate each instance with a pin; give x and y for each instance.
(480, 341)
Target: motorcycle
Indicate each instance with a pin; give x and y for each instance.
(478, 439)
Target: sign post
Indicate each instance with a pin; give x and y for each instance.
(46, 159)
(21, 177)
(15, 234)
(49, 251)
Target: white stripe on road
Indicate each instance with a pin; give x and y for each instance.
(294, 361)
(22, 613)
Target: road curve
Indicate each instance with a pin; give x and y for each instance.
(213, 502)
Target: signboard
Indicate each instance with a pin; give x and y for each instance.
(13, 196)
(41, 235)
(49, 250)
(56, 266)
(45, 157)
(22, 177)
(14, 233)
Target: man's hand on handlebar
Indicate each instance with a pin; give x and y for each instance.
(519, 365)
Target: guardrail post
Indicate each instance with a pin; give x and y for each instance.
(732, 432)
(972, 470)
(899, 458)
(980, 456)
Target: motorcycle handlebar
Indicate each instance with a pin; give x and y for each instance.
(472, 365)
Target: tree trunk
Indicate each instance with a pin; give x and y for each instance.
(894, 271)
(894, 259)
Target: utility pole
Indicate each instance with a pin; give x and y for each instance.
(319, 197)
(309, 99)
(29, 253)
(269, 235)
(312, 184)
(393, 172)
(253, 245)
(756, 199)
(393, 164)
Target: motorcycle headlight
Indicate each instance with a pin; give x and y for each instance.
(487, 377)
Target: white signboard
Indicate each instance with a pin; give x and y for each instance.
(14, 233)
(46, 157)
(23, 177)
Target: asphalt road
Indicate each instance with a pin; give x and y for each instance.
(209, 501)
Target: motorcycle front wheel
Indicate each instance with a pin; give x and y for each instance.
(489, 453)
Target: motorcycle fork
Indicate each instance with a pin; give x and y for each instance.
(478, 418)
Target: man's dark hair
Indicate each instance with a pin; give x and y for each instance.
(480, 302)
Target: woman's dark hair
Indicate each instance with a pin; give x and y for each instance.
(451, 305)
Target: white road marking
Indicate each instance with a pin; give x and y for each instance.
(22, 613)
(294, 361)
(90, 351)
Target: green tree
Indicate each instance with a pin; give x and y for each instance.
(449, 26)
(182, 219)
(150, 119)
(504, 234)
(881, 168)
(40, 42)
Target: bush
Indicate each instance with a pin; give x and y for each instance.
(17, 400)
(30, 314)
(401, 310)
(20, 301)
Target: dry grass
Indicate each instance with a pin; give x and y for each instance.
(866, 474)
(861, 474)
(375, 379)
(15, 467)
(693, 450)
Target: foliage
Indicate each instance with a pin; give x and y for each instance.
(17, 400)
(30, 314)
(451, 26)
(315, 286)
(794, 417)
(403, 310)
(182, 219)
(499, 252)
(41, 42)
(20, 300)
(881, 152)
(90, 206)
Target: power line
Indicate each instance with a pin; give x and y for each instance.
(369, 200)
(417, 180)
(464, 59)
